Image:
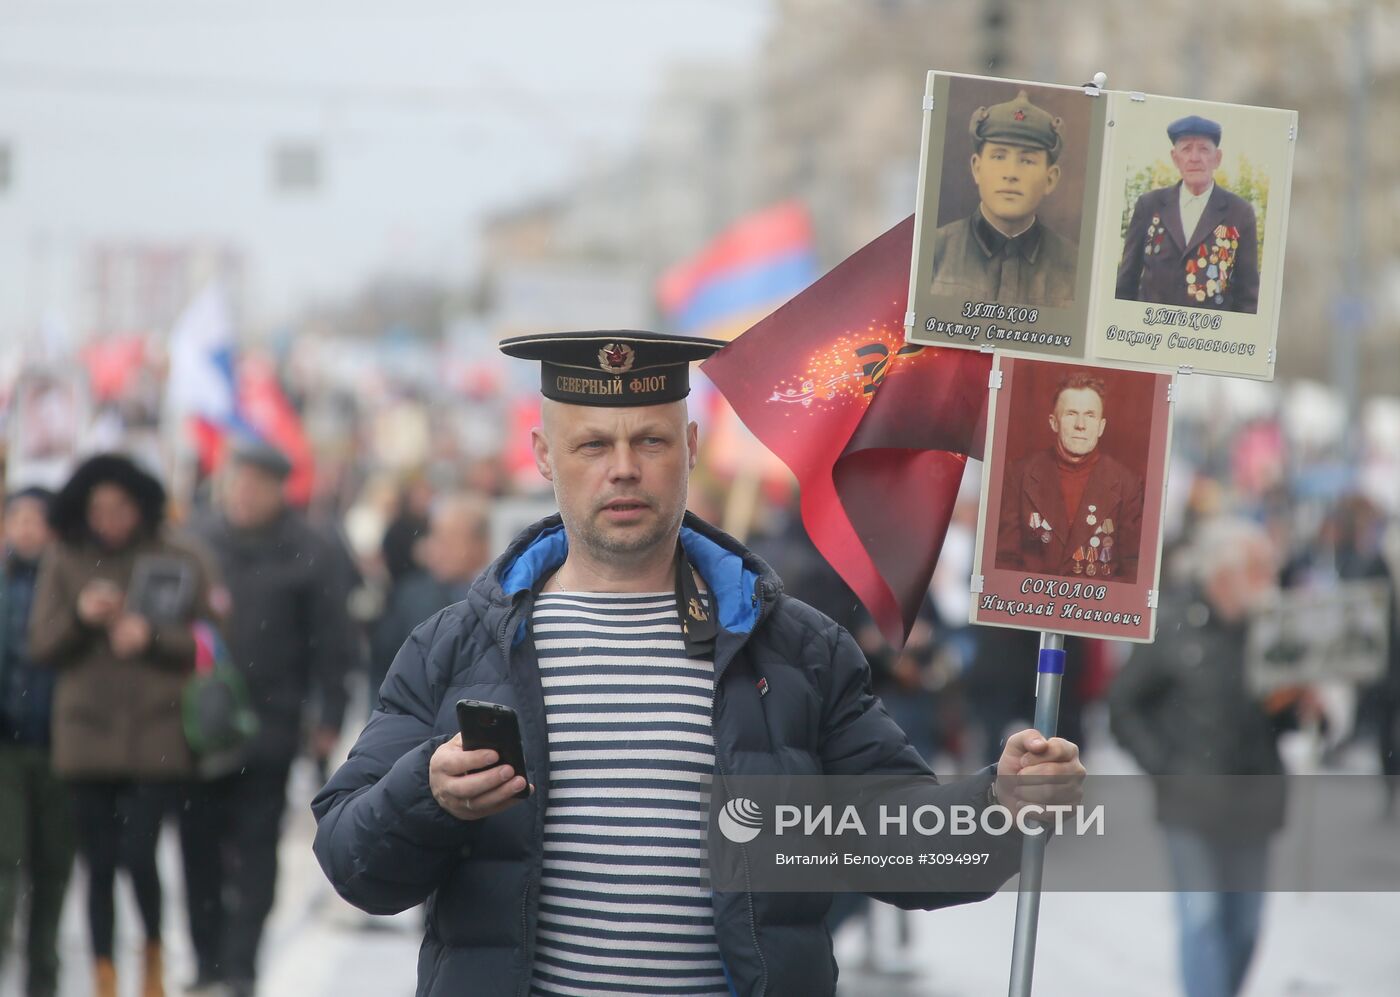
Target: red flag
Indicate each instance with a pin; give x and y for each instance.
(266, 408)
(877, 432)
(113, 363)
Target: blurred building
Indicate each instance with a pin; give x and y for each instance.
(594, 250)
(830, 113)
(139, 287)
(840, 90)
(1337, 62)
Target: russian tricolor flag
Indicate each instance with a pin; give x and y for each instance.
(214, 395)
(749, 269)
(202, 389)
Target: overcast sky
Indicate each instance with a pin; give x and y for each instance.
(153, 120)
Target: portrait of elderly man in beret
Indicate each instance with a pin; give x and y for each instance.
(1192, 244)
(1003, 251)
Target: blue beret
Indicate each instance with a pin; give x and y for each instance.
(1193, 124)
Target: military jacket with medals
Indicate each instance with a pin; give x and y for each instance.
(1099, 540)
(972, 261)
(1216, 266)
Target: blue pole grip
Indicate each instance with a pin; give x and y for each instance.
(1052, 661)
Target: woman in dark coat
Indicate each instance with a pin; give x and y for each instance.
(122, 659)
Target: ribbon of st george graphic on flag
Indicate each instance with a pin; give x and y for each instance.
(877, 432)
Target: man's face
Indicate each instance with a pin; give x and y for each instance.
(26, 528)
(252, 497)
(455, 549)
(1238, 589)
(1196, 158)
(1012, 180)
(619, 474)
(1078, 420)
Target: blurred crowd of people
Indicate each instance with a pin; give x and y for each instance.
(107, 582)
(129, 640)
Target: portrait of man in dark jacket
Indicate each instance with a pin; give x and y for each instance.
(1071, 509)
(649, 657)
(1192, 244)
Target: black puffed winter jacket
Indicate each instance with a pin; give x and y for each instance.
(386, 845)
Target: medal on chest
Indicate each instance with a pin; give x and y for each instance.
(697, 626)
(1156, 232)
(1208, 269)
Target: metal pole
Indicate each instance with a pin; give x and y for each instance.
(1049, 671)
(1353, 318)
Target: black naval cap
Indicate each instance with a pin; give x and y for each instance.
(257, 452)
(612, 369)
(1193, 124)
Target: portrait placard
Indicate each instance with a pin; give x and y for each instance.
(1335, 634)
(45, 426)
(1207, 299)
(1069, 535)
(1008, 199)
(1053, 220)
(162, 588)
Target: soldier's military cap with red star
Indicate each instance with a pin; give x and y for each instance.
(1019, 122)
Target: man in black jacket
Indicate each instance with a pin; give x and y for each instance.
(454, 551)
(645, 654)
(1181, 707)
(36, 814)
(290, 636)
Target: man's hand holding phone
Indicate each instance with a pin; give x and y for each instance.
(470, 784)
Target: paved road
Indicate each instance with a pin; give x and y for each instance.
(1318, 945)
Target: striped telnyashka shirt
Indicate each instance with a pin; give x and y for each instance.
(625, 904)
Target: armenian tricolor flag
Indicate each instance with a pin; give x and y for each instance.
(745, 272)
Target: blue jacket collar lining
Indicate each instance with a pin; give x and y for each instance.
(730, 580)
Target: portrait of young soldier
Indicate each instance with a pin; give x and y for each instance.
(1003, 251)
(1070, 509)
(1193, 243)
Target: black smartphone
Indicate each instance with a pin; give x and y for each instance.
(491, 725)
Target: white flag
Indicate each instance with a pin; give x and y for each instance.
(201, 381)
